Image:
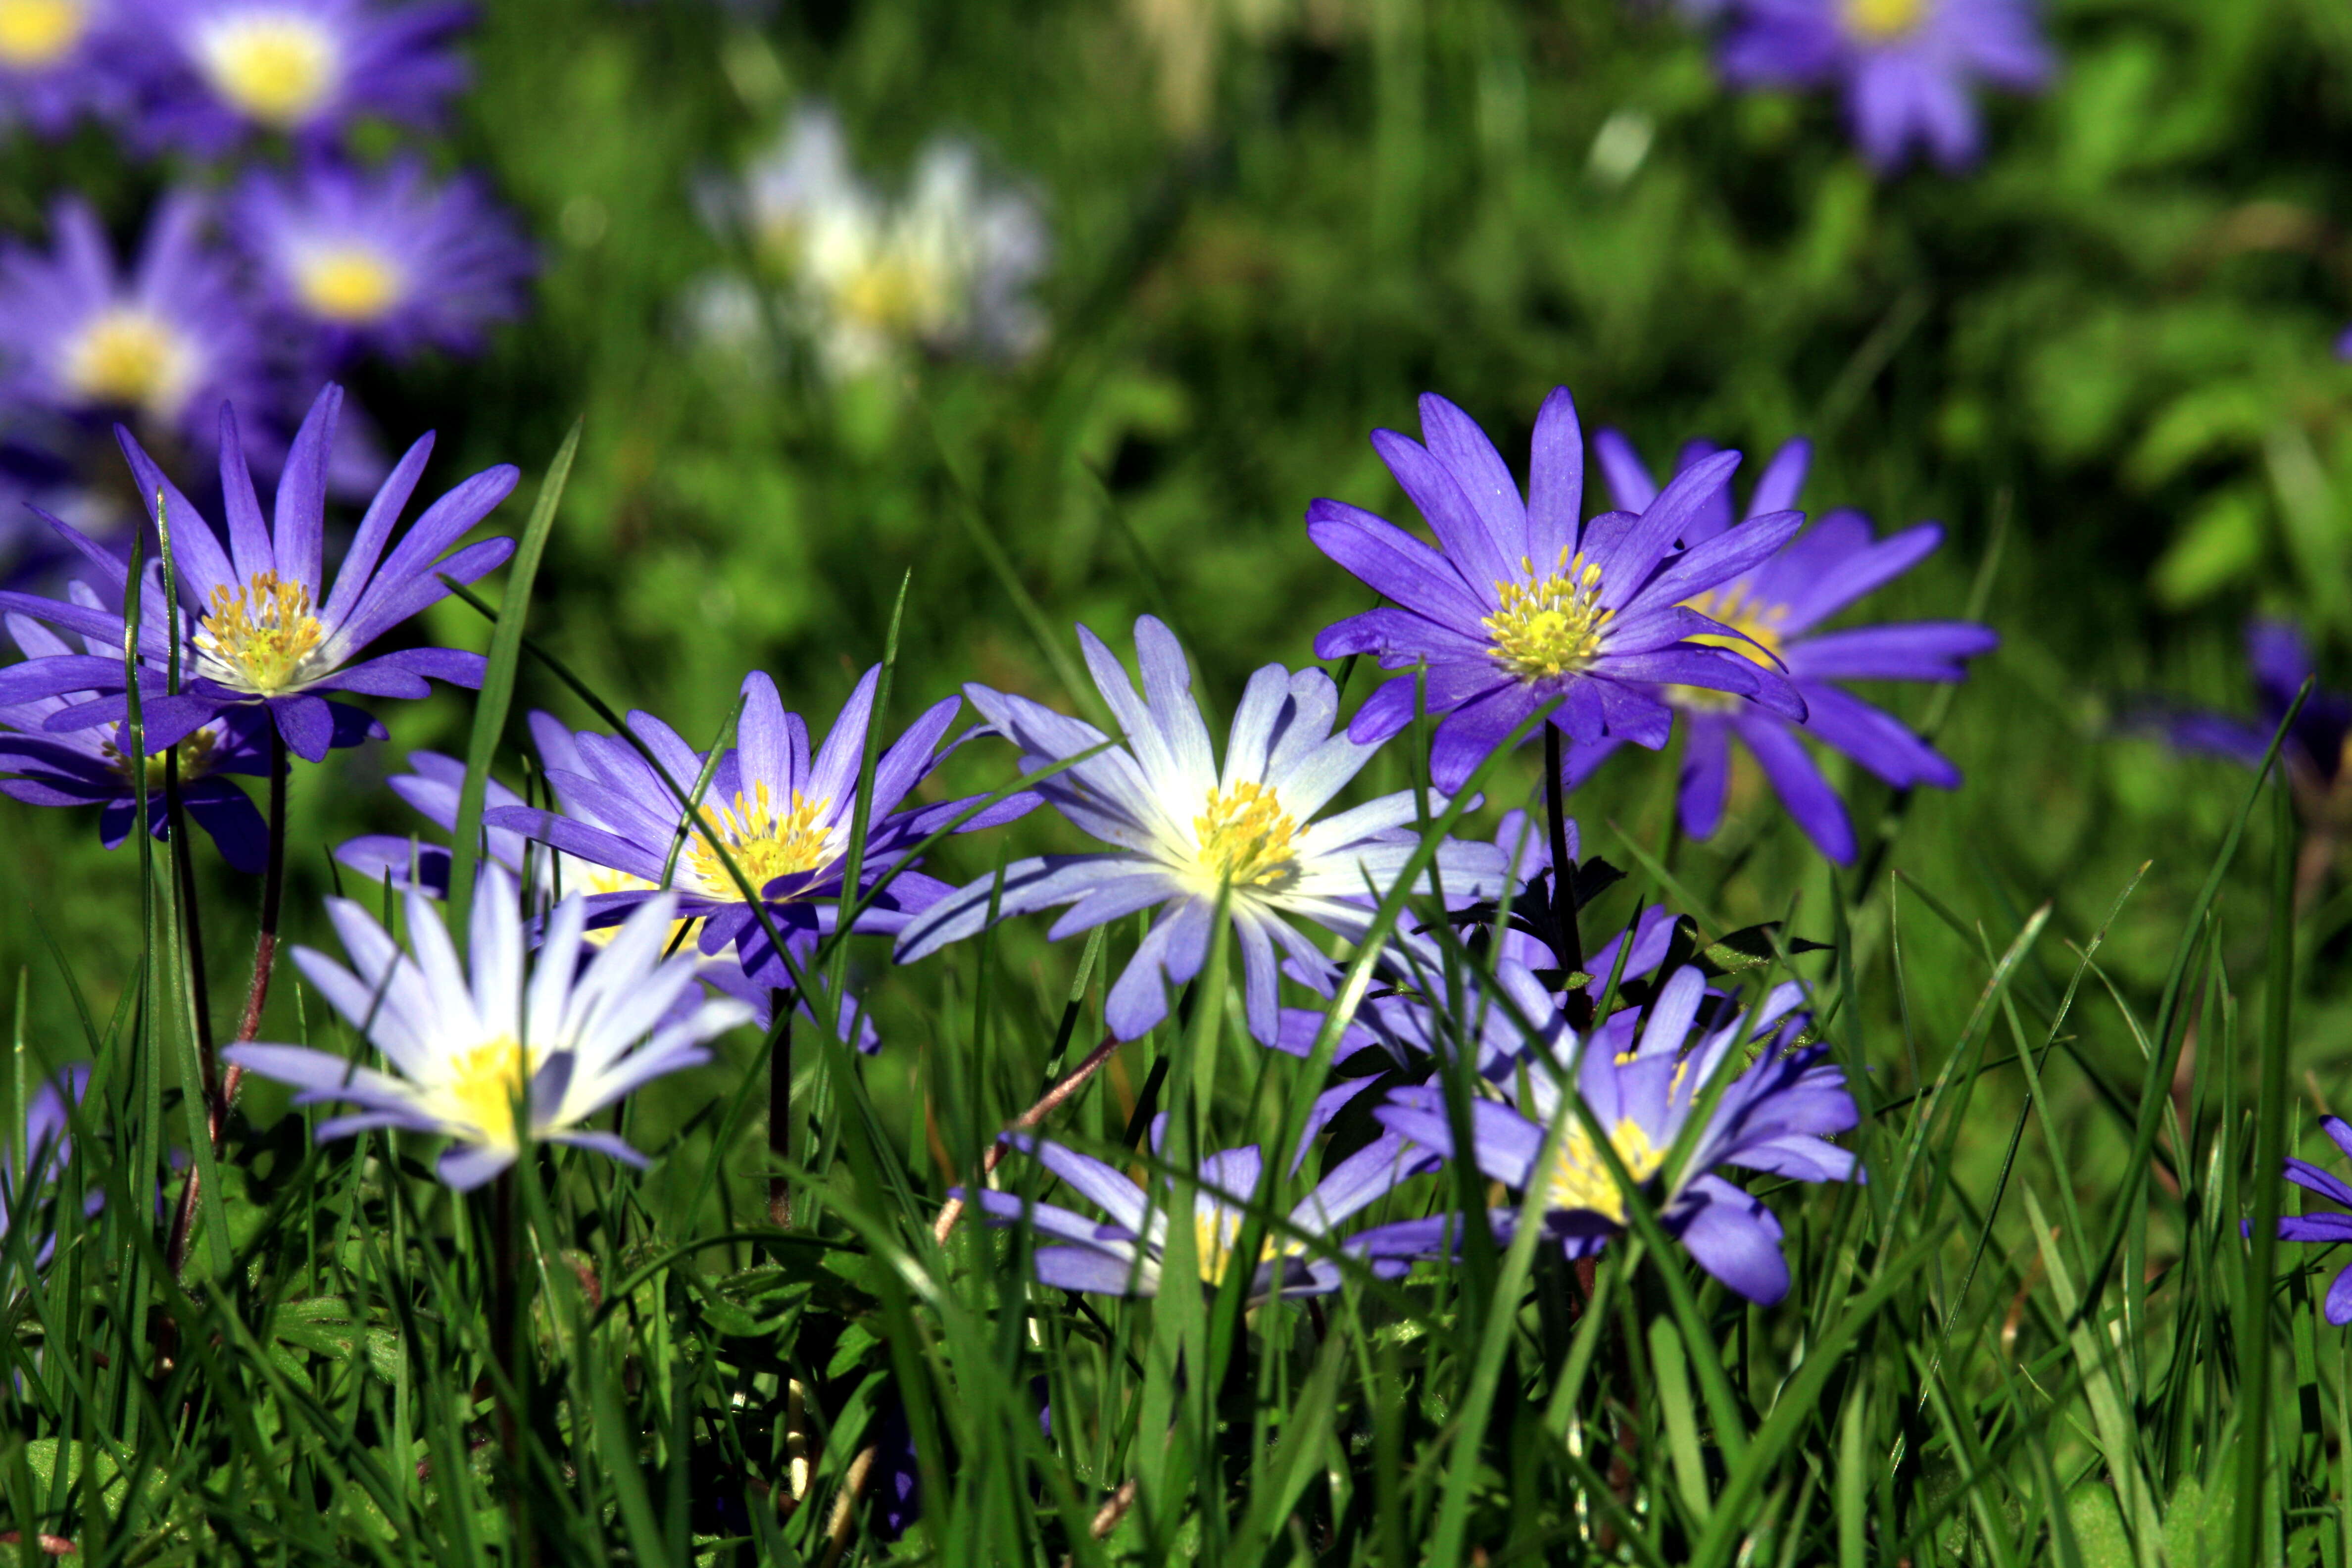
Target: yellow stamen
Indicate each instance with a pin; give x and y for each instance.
(1759, 624)
(765, 845)
(37, 33)
(1246, 837)
(1548, 627)
(1580, 1181)
(1884, 21)
(1216, 1237)
(196, 759)
(265, 633)
(131, 359)
(482, 1087)
(277, 67)
(893, 295)
(587, 876)
(350, 284)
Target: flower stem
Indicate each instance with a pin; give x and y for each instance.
(273, 897)
(952, 1210)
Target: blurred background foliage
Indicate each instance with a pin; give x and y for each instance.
(2103, 360)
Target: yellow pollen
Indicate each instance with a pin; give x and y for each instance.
(765, 845)
(1245, 836)
(131, 359)
(483, 1085)
(275, 67)
(1548, 627)
(587, 876)
(892, 295)
(265, 633)
(1754, 620)
(1884, 21)
(1217, 1235)
(350, 284)
(1580, 1181)
(37, 33)
(196, 760)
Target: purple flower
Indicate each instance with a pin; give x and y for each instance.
(558, 1035)
(88, 767)
(261, 627)
(783, 817)
(1123, 1256)
(164, 348)
(1183, 832)
(1522, 604)
(59, 58)
(31, 1163)
(306, 68)
(2343, 344)
(386, 257)
(1906, 65)
(2328, 1229)
(2280, 662)
(432, 790)
(1774, 607)
(1773, 1117)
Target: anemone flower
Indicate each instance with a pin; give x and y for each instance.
(385, 259)
(781, 816)
(60, 59)
(1773, 1117)
(1906, 65)
(304, 68)
(559, 1037)
(1185, 835)
(1520, 604)
(2328, 1229)
(163, 348)
(263, 631)
(1777, 608)
(432, 789)
(89, 767)
(31, 1163)
(1124, 1254)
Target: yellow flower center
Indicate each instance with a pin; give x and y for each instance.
(587, 877)
(196, 759)
(37, 33)
(275, 67)
(1754, 620)
(1216, 1236)
(482, 1087)
(1548, 627)
(350, 284)
(764, 842)
(1580, 1181)
(893, 295)
(1884, 21)
(264, 633)
(128, 357)
(1247, 837)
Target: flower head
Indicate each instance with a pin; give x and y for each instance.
(783, 816)
(305, 69)
(384, 257)
(2279, 658)
(1522, 604)
(162, 348)
(262, 629)
(1778, 606)
(1186, 833)
(1124, 1254)
(31, 1163)
(89, 767)
(2325, 1228)
(1643, 1091)
(947, 268)
(559, 1036)
(1906, 65)
(59, 58)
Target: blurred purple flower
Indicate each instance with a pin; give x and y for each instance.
(61, 58)
(1906, 65)
(385, 259)
(2328, 1229)
(303, 68)
(2280, 661)
(1776, 607)
(32, 1161)
(1522, 604)
(261, 627)
(163, 349)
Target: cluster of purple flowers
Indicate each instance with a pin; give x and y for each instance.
(278, 263)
